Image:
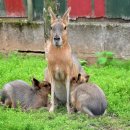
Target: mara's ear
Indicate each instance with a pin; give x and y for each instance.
(82, 78)
(73, 80)
(66, 16)
(79, 77)
(36, 83)
(87, 78)
(53, 16)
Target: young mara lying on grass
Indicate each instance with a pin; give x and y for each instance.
(87, 97)
(19, 93)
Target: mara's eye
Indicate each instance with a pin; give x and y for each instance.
(45, 85)
(65, 28)
(51, 28)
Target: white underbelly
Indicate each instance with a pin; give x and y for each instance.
(59, 74)
(60, 91)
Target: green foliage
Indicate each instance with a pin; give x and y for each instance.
(104, 58)
(113, 79)
(121, 63)
(83, 62)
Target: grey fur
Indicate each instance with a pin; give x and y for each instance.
(19, 93)
(88, 98)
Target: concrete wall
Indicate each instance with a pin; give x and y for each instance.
(86, 38)
(89, 37)
(21, 36)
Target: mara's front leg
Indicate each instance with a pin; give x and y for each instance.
(52, 95)
(68, 93)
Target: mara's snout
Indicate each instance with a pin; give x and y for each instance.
(57, 41)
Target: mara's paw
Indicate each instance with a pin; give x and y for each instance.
(51, 109)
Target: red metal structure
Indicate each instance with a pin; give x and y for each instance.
(87, 8)
(19, 8)
(14, 8)
(80, 8)
(99, 8)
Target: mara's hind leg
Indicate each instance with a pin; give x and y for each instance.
(13, 105)
(68, 94)
(2, 104)
(87, 111)
(8, 103)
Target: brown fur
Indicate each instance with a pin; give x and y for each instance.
(19, 93)
(61, 63)
(87, 97)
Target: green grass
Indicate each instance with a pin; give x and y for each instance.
(113, 79)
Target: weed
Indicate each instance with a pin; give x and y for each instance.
(104, 58)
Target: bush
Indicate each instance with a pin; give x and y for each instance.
(104, 58)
